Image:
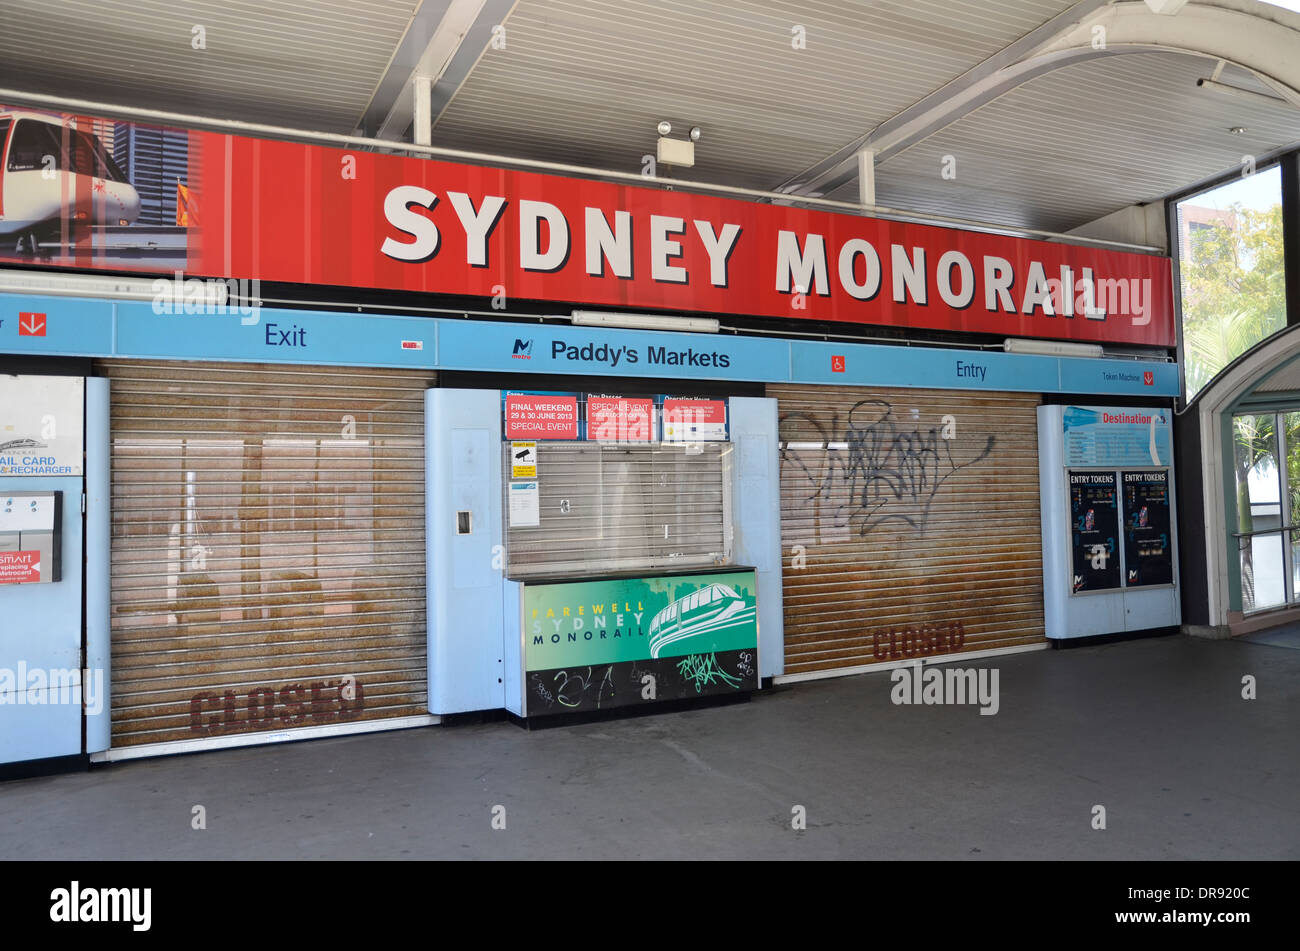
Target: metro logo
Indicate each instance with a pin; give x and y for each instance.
(1148, 378)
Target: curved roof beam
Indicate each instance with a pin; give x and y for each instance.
(1267, 357)
(1246, 33)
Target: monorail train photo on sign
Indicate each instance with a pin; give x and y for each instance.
(91, 192)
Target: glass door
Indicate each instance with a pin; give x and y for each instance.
(1268, 490)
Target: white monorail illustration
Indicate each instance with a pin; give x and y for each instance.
(49, 172)
(709, 610)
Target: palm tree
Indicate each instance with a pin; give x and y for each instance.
(1253, 442)
(1211, 344)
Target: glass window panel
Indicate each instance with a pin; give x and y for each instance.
(624, 507)
(35, 145)
(1294, 541)
(1262, 573)
(1231, 272)
(1259, 500)
(1291, 426)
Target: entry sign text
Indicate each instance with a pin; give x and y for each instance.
(541, 416)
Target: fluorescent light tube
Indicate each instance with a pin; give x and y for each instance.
(1051, 348)
(593, 318)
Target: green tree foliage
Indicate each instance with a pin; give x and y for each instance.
(1234, 290)
(1234, 295)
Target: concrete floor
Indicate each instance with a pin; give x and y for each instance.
(1156, 731)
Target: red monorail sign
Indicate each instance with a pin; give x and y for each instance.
(281, 211)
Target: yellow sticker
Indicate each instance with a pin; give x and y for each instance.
(523, 460)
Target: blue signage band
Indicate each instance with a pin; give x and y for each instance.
(87, 327)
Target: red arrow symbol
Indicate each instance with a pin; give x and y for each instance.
(31, 324)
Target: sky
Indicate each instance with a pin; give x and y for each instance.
(1257, 192)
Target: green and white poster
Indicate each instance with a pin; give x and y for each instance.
(612, 642)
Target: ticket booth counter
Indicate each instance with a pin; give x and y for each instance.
(594, 551)
(620, 551)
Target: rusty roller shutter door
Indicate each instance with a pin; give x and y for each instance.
(909, 543)
(268, 548)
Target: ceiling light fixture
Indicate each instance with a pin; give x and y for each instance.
(592, 318)
(1051, 348)
(212, 293)
(678, 152)
(1238, 130)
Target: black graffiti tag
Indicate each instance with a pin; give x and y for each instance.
(885, 472)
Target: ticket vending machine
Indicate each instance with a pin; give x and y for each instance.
(31, 537)
(1107, 500)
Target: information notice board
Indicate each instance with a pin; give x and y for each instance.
(1094, 521)
(533, 415)
(1148, 555)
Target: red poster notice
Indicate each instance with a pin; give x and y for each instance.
(17, 567)
(695, 420)
(539, 416)
(618, 419)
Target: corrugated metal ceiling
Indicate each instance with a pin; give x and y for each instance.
(586, 81)
(304, 63)
(1134, 127)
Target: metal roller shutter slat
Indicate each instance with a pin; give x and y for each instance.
(268, 536)
(900, 529)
